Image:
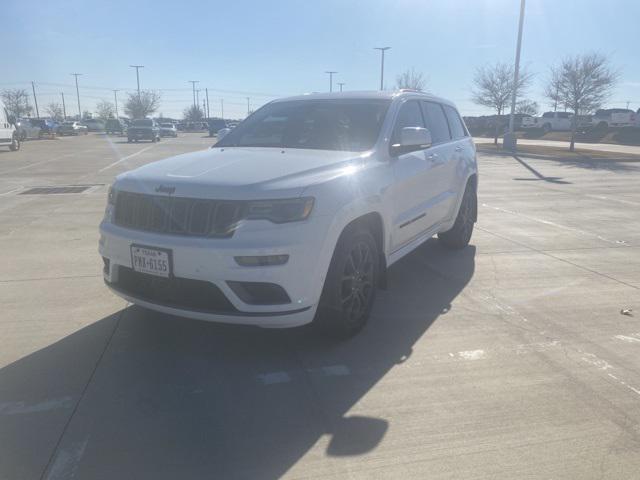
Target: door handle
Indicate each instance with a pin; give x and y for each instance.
(458, 148)
(432, 156)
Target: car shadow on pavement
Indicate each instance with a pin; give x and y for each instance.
(144, 395)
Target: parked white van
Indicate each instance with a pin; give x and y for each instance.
(8, 133)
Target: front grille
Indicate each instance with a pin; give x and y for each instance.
(176, 292)
(177, 215)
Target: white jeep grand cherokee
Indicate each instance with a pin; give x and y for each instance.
(294, 215)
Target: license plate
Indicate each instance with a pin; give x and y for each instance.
(151, 260)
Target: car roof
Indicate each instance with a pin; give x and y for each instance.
(366, 95)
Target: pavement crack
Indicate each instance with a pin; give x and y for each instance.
(82, 395)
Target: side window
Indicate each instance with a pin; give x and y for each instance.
(436, 122)
(409, 116)
(455, 124)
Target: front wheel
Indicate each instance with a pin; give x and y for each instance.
(460, 234)
(15, 144)
(350, 287)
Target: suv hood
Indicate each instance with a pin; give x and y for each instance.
(239, 172)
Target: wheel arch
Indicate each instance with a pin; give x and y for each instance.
(373, 222)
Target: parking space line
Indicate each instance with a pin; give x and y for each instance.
(123, 159)
(557, 225)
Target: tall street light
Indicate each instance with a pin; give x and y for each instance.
(341, 84)
(510, 141)
(193, 83)
(137, 67)
(382, 50)
(78, 95)
(331, 80)
(115, 97)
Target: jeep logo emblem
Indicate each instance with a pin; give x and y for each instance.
(165, 189)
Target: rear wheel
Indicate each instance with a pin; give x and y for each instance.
(460, 234)
(546, 128)
(350, 287)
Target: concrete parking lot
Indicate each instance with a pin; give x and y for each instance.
(511, 359)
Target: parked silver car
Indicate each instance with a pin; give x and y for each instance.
(72, 128)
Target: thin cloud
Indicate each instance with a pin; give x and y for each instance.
(631, 84)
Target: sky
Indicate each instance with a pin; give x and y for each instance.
(268, 49)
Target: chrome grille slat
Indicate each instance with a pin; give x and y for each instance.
(177, 215)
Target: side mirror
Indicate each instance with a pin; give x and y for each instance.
(222, 133)
(412, 139)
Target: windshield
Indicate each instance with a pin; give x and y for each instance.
(143, 123)
(350, 125)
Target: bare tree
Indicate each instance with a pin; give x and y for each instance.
(105, 110)
(54, 110)
(493, 86)
(527, 107)
(143, 105)
(412, 80)
(583, 82)
(193, 114)
(554, 94)
(16, 101)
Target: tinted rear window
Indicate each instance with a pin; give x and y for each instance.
(436, 122)
(455, 124)
(143, 123)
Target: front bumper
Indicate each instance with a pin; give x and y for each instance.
(212, 260)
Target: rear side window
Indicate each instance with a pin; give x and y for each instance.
(547, 115)
(409, 116)
(436, 122)
(455, 124)
(563, 115)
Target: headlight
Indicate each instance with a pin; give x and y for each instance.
(280, 211)
(111, 196)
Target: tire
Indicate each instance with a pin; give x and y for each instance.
(546, 128)
(128, 140)
(350, 286)
(460, 234)
(15, 144)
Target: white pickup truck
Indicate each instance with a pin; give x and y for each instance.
(626, 119)
(549, 121)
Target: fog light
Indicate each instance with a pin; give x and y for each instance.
(262, 260)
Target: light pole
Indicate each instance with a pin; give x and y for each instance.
(35, 99)
(340, 84)
(78, 95)
(137, 67)
(115, 97)
(198, 98)
(382, 50)
(206, 91)
(331, 79)
(222, 108)
(64, 107)
(193, 83)
(510, 141)
(248, 106)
